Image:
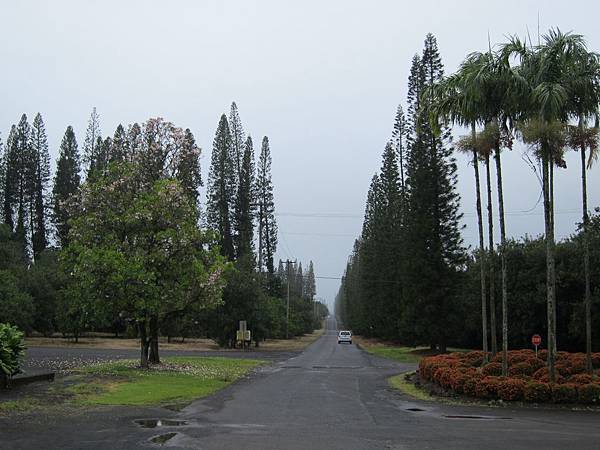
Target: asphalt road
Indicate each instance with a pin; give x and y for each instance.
(329, 397)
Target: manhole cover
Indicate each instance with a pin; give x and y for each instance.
(157, 423)
(161, 439)
(414, 409)
(459, 416)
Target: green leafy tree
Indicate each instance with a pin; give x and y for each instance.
(139, 250)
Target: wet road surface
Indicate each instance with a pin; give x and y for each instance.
(331, 396)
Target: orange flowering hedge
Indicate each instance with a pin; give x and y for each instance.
(527, 380)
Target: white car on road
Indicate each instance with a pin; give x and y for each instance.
(345, 336)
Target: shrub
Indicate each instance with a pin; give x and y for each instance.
(528, 377)
(511, 389)
(563, 369)
(580, 378)
(492, 369)
(596, 360)
(536, 391)
(12, 350)
(459, 380)
(577, 365)
(474, 359)
(564, 393)
(543, 376)
(470, 385)
(589, 393)
(487, 387)
(521, 368)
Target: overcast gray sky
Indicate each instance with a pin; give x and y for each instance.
(321, 78)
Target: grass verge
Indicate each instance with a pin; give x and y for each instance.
(406, 387)
(173, 384)
(400, 353)
(178, 380)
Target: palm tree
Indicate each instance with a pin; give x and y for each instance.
(549, 70)
(457, 101)
(500, 87)
(584, 86)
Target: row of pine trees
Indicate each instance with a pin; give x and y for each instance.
(406, 273)
(38, 212)
(402, 279)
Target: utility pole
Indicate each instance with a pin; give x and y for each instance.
(287, 308)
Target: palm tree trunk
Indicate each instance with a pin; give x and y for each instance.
(491, 267)
(550, 270)
(502, 264)
(481, 257)
(586, 267)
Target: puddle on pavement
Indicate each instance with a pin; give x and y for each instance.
(157, 423)
(161, 439)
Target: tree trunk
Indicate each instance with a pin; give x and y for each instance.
(492, 270)
(586, 267)
(550, 275)
(481, 257)
(143, 344)
(154, 356)
(503, 265)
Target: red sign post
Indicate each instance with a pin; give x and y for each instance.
(536, 340)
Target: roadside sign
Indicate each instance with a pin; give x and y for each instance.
(536, 340)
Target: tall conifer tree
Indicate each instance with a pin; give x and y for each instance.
(66, 184)
(267, 225)
(41, 178)
(10, 179)
(221, 188)
(310, 287)
(238, 140)
(92, 145)
(433, 243)
(188, 166)
(245, 203)
(23, 159)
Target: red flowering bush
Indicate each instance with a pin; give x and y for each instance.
(487, 387)
(564, 393)
(543, 375)
(492, 369)
(511, 389)
(589, 393)
(596, 360)
(474, 359)
(470, 385)
(580, 378)
(522, 368)
(528, 377)
(537, 392)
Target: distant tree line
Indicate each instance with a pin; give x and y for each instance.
(118, 242)
(409, 277)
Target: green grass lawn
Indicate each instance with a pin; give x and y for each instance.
(179, 380)
(400, 354)
(403, 354)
